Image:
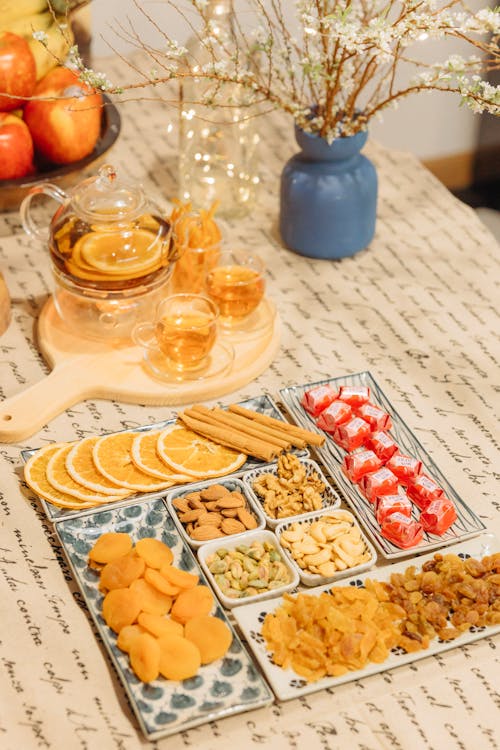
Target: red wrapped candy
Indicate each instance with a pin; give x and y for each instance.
(423, 491)
(354, 395)
(356, 465)
(381, 482)
(438, 516)
(388, 504)
(377, 418)
(335, 414)
(352, 434)
(318, 398)
(382, 444)
(402, 531)
(406, 468)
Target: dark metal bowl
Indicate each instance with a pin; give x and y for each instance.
(13, 191)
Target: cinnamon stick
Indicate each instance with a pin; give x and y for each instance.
(313, 438)
(279, 433)
(247, 426)
(232, 439)
(223, 419)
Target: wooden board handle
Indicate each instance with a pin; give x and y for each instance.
(25, 413)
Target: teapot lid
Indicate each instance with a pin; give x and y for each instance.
(108, 198)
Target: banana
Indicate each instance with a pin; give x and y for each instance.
(12, 10)
(26, 25)
(58, 42)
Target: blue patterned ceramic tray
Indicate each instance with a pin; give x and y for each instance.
(228, 686)
(287, 684)
(467, 524)
(263, 404)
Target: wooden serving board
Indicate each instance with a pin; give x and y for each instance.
(84, 369)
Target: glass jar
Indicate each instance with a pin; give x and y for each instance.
(217, 145)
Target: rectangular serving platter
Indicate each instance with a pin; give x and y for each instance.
(263, 404)
(467, 525)
(286, 684)
(228, 686)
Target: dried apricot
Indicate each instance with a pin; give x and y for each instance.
(127, 635)
(192, 602)
(151, 599)
(210, 634)
(153, 552)
(155, 578)
(178, 577)
(179, 658)
(121, 607)
(120, 573)
(158, 625)
(145, 657)
(110, 546)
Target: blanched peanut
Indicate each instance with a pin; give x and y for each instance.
(327, 545)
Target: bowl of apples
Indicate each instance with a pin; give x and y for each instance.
(51, 129)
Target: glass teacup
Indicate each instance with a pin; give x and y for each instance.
(182, 336)
(237, 285)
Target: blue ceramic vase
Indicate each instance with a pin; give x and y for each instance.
(328, 198)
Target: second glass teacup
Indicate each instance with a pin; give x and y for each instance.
(180, 340)
(237, 285)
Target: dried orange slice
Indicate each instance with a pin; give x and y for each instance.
(187, 452)
(81, 467)
(112, 457)
(58, 476)
(35, 474)
(146, 458)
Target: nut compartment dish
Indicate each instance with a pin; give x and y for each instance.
(218, 509)
(254, 557)
(162, 707)
(326, 546)
(332, 454)
(294, 487)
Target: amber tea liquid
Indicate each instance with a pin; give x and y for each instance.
(186, 339)
(111, 256)
(237, 290)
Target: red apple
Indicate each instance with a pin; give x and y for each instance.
(16, 147)
(17, 70)
(65, 128)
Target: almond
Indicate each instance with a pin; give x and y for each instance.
(191, 515)
(233, 500)
(182, 504)
(247, 519)
(232, 526)
(214, 492)
(210, 518)
(229, 512)
(204, 533)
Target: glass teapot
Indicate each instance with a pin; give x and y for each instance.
(111, 252)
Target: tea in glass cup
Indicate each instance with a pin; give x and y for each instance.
(236, 285)
(196, 238)
(183, 333)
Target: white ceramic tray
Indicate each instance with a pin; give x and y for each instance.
(330, 497)
(251, 536)
(286, 684)
(232, 483)
(312, 579)
(467, 525)
(228, 686)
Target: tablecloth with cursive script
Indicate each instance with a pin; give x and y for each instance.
(419, 309)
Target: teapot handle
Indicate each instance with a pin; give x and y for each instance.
(29, 224)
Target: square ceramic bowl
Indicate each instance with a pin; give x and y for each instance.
(315, 579)
(233, 485)
(238, 543)
(330, 498)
